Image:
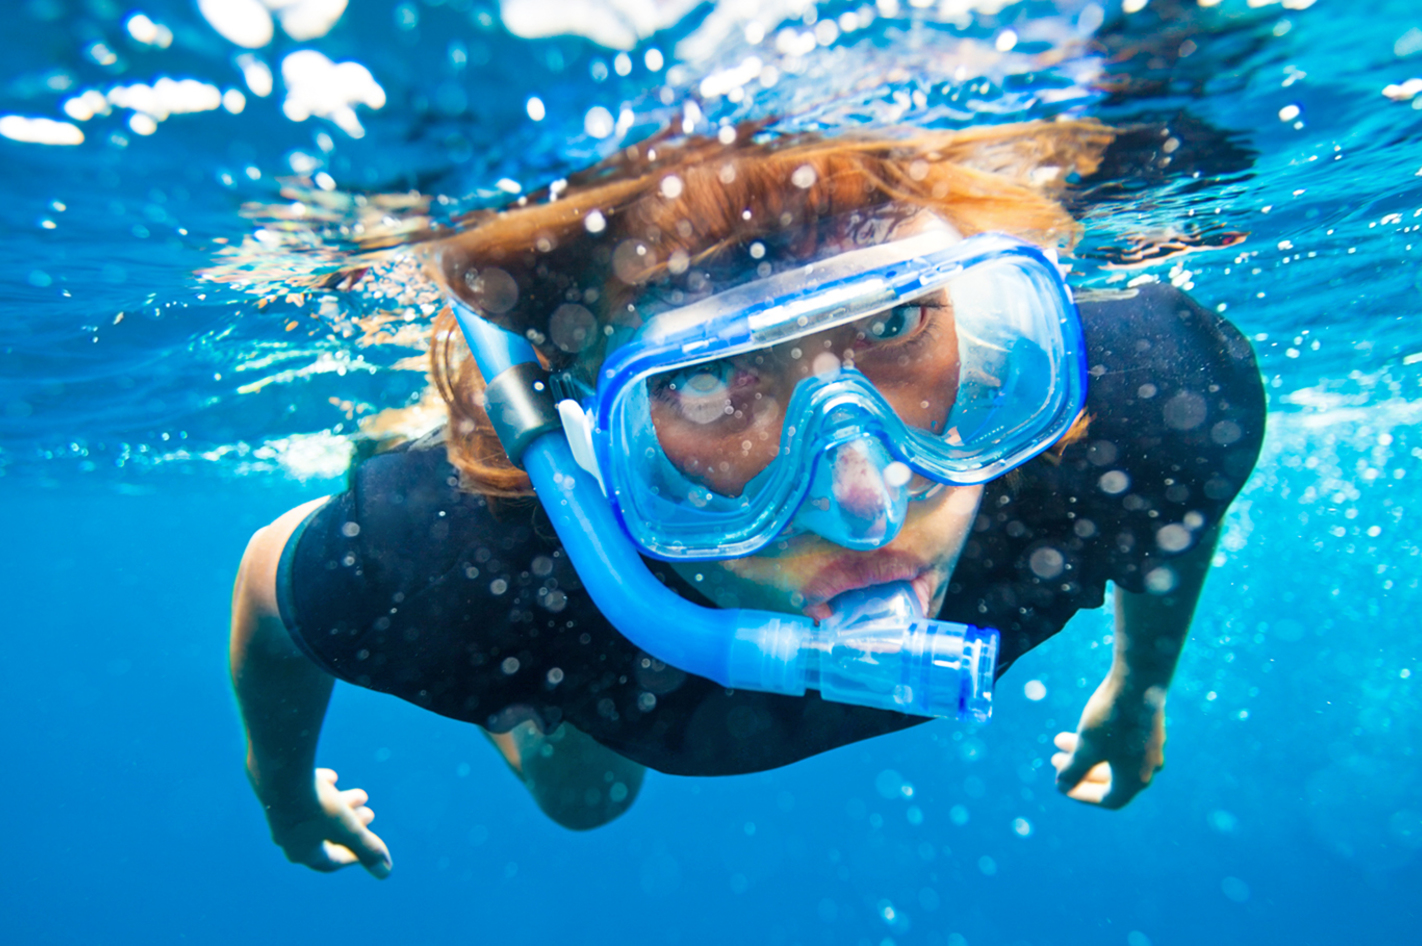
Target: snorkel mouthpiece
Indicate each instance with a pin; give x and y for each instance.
(877, 648)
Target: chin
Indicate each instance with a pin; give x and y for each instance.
(812, 570)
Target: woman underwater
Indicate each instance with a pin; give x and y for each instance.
(1013, 453)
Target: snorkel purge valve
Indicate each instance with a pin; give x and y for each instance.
(877, 649)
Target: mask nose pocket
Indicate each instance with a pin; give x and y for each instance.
(855, 498)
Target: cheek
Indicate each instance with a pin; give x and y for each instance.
(940, 530)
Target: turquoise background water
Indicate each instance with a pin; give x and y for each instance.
(138, 455)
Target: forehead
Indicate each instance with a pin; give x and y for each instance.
(797, 303)
(770, 257)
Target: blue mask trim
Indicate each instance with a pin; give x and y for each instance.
(1022, 384)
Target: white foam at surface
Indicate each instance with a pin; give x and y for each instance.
(325, 363)
(167, 97)
(257, 75)
(303, 20)
(244, 23)
(733, 17)
(615, 24)
(1403, 91)
(317, 86)
(322, 455)
(149, 33)
(40, 131)
(86, 105)
(719, 83)
(248, 23)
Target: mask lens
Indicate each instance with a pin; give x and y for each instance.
(720, 423)
(1013, 359)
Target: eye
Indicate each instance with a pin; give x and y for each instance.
(695, 384)
(701, 394)
(898, 322)
(703, 380)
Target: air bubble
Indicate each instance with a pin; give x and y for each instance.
(598, 122)
(1114, 482)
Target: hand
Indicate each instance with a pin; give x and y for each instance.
(1117, 748)
(330, 832)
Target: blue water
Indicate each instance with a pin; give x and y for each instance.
(139, 453)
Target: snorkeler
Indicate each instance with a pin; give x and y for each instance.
(816, 444)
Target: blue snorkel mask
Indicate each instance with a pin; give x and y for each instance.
(822, 399)
(719, 426)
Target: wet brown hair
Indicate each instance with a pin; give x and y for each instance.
(657, 212)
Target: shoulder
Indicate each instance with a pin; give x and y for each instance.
(257, 583)
(1156, 328)
(402, 524)
(1170, 383)
(1177, 413)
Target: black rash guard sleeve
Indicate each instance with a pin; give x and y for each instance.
(407, 585)
(1181, 410)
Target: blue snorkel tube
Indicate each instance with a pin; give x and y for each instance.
(877, 649)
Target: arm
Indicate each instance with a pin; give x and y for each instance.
(1119, 744)
(283, 697)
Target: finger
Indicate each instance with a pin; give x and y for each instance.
(1090, 792)
(365, 815)
(1097, 773)
(338, 855)
(1076, 768)
(368, 847)
(1065, 741)
(325, 857)
(354, 797)
(1121, 793)
(1154, 760)
(327, 775)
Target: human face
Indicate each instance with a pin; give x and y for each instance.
(721, 423)
(802, 573)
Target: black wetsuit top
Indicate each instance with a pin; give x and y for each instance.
(407, 585)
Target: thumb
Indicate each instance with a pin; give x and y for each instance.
(1081, 761)
(372, 853)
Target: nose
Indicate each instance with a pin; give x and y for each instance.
(851, 502)
(858, 483)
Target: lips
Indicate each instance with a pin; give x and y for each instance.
(864, 570)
